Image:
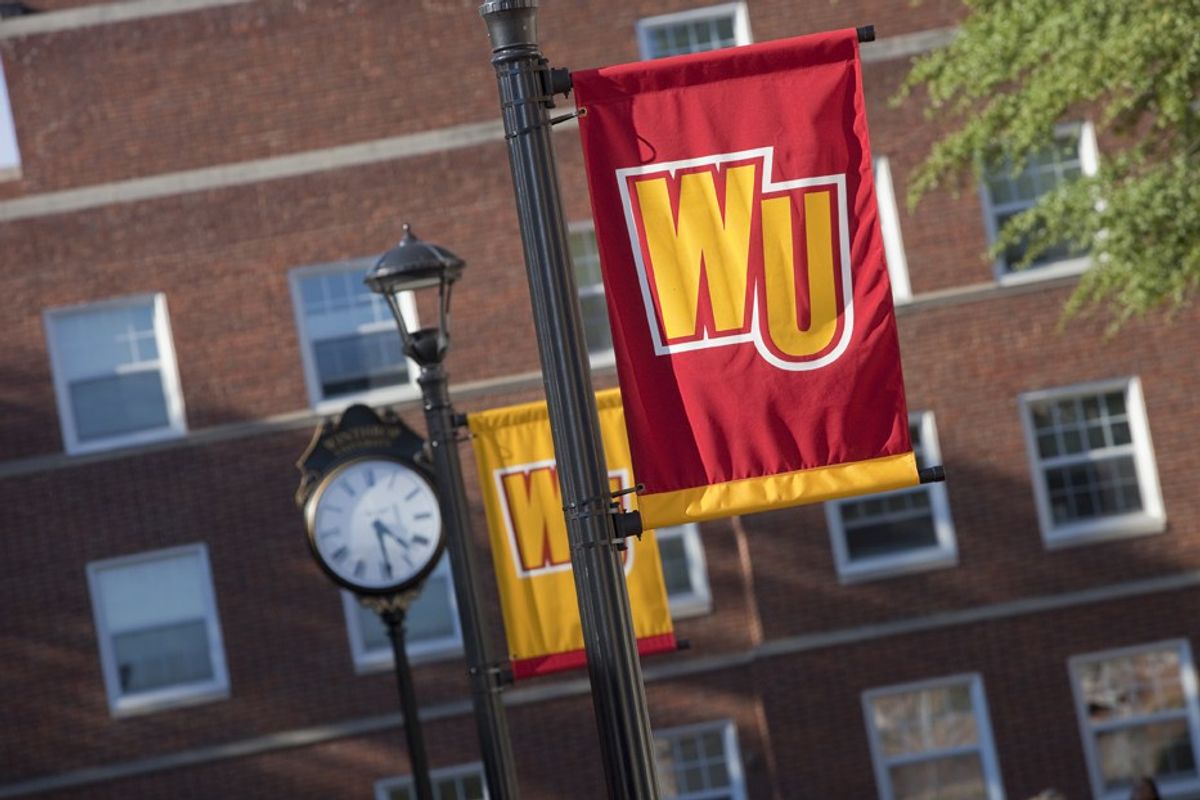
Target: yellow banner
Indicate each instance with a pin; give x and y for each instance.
(517, 473)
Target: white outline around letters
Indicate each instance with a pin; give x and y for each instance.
(622, 475)
(767, 155)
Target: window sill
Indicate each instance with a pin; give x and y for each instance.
(374, 397)
(167, 699)
(1123, 527)
(381, 662)
(1046, 272)
(130, 440)
(1169, 790)
(602, 359)
(894, 567)
(688, 607)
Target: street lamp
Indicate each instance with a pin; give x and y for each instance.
(411, 265)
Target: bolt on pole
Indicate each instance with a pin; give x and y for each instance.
(618, 694)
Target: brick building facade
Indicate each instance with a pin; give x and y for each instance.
(189, 191)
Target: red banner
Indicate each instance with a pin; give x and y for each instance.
(743, 264)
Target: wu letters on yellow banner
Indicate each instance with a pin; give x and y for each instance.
(527, 529)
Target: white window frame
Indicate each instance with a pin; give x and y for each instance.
(738, 11)
(983, 726)
(598, 358)
(385, 785)
(889, 225)
(1087, 731)
(699, 600)
(312, 380)
(1151, 519)
(733, 755)
(941, 555)
(174, 696)
(167, 367)
(10, 152)
(419, 651)
(1089, 165)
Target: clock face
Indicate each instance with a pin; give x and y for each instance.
(375, 524)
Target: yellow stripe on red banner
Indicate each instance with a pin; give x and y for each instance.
(752, 495)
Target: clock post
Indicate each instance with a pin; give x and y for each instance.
(375, 527)
(393, 611)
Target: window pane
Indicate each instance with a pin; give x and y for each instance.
(596, 331)
(725, 31)
(152, 593)
(96, 341)
(168, 655)
(1011, 193)
(1132, 686)
(693, 764)
(694, 36)
(680, 40)
(472, 788)
(1161, 749)
(904, 533)
(432, 615)
(446, 789)
(676, 574)
(892, 523)
(156, 614)
(430, 618)
(359, 362)
(117, 404)
(658, 42)
(1095, 474)
(455, 786)
(955, 778)
(373, 631)
(909, 723)
(586, 259)
(1094, 489)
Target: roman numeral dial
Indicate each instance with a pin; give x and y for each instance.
(375, 525)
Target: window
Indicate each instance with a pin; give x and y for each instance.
(431, 626)
(10, 155)
(114, 373)
(684, 571)
(156, 620)
(452, 783)
(694, 31)
(1092, 462)
(895, 532)
(348, 338)
(700, 762)
(586, 258)
(1138, 716)
(889, 224)
(1006, 194)
(932, 741)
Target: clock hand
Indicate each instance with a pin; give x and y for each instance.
(384, 530)
(379, 531)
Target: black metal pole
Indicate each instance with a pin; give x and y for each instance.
(618, 695)
(490, 719)
(394, 620)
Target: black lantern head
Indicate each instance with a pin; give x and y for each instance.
(409, 266)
